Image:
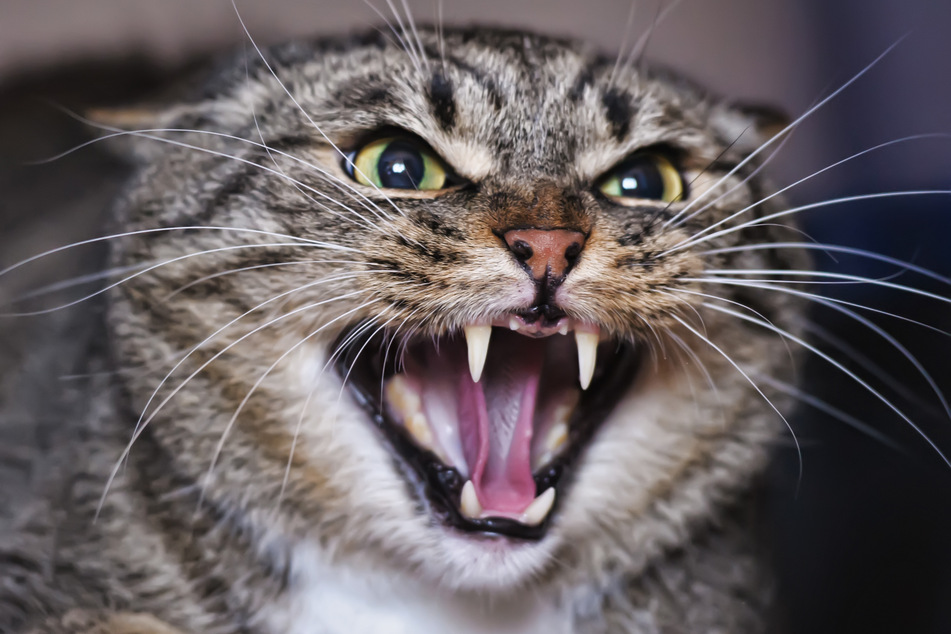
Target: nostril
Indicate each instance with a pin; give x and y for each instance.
(545, 252)
(572, 252)
(522, 250)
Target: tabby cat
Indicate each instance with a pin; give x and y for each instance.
(434, 335)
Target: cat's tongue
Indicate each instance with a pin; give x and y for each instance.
(491, 421)
(495, 427)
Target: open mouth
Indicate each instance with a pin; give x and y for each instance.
(489, 434)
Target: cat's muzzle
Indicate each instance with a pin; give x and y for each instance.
(490, 420)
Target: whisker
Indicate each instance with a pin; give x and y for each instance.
(256, 267)
(838, 366)
(412, 26)
(77, 281)
(299, 186)
(126, 234)
(217, 332)
(801, 208)
(620, 51)
(792, 359)
(782, 133)
(833, 249)
(409, 50)
(844, 277)
(868, 324)
(303, 410)
(644, 41)
(915, 137)
(825, 407)
(260, 380)
(752, 383)
(352, 192)
(147, 270)
(302, 110)
(142, 424)
(870, 366)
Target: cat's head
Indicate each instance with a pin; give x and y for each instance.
(343, 239)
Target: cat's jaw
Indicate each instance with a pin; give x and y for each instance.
(343, 598)
(391, 528)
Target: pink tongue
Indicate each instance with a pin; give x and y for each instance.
(495, 426)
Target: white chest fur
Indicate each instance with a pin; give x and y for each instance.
(331, 600)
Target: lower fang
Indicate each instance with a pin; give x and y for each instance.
(418, 427)
(402, 395)
(469, 502)
(556, 437)
(538, 510)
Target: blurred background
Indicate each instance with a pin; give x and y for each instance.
(861, 534)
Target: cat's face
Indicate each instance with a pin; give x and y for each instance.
(505, 208)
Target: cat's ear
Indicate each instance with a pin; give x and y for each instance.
(138, 131)
(748, 126)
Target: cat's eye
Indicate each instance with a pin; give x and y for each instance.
(397, 163)
(644, 177)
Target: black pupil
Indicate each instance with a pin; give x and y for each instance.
(641, 179)
(401, 166)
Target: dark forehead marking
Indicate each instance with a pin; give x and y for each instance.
(585, 77)
(487, 82)
(619, 108)
(442, 101)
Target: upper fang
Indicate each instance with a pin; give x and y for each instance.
(477, 339)
(587, 343)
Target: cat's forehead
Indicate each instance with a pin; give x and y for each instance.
(498, 102)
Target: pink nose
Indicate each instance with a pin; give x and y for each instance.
(545, 252)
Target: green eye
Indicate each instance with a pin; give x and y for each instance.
(397, 163)
(644, 177)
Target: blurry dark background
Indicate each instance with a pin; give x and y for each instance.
(861, 537)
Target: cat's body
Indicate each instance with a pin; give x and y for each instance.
(274, 501)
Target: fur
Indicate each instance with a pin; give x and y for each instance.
(253, 502)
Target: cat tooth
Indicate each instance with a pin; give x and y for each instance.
(418, 426)
(554, 440)
(563, 329)
(587, 343)
(556, 437)
(477, 338)
(513, 323)
(538, 510)
(401, 396)
(469, 503)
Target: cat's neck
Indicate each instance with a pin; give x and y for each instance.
(332, 599)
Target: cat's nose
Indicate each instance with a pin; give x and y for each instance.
(545, 253)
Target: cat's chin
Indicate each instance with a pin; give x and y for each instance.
(490, 437)
(487, 563)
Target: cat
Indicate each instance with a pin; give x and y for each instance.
(437, 334)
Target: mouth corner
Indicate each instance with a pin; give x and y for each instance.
(490, 435)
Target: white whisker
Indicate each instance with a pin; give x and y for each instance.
(779, 192)
(844, 277)
(835, 305)
(149, 269)
(800, 209)
(260, 380)
(746, 376)
(142, 424)
(302, 110)
(782, 133)
(838, 366)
